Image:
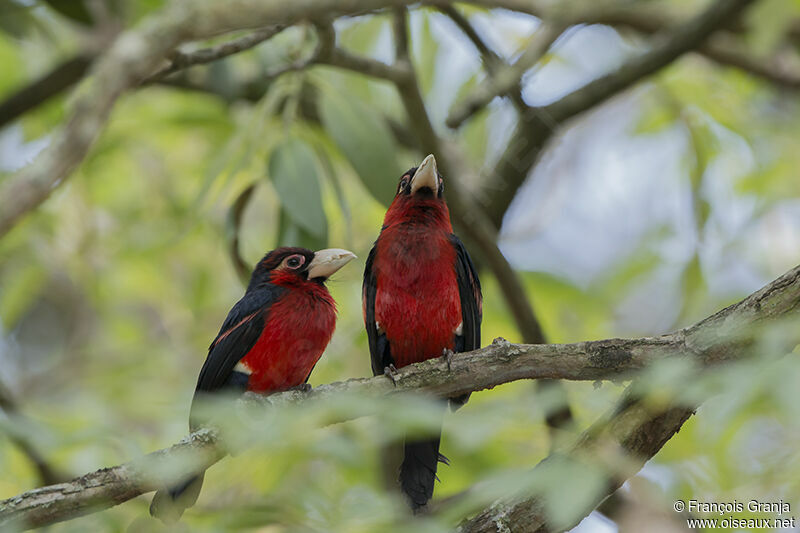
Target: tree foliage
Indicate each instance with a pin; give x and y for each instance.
(655, 208)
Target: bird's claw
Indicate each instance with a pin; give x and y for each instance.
(389, 372)
(448, 358)
(305, 387)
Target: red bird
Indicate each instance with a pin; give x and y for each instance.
(270, 341)
(421, 298)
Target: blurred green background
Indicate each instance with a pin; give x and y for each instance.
(651, 211)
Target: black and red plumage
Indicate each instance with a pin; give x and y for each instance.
(270, 342)
(421, 298)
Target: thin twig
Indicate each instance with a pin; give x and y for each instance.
(134, 56)
(536, 126)
(48, 474)
(505, 79)
(182, 60)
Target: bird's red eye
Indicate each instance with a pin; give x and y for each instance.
(295, 261)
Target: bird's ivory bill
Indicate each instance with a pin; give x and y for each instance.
(328, 261)
(427, 175)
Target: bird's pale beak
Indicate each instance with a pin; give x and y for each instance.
(328, 261)
(427, 175)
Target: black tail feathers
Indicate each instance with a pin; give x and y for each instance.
(418, 471)
(169, 504)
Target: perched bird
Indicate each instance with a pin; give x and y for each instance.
(270, 342)
(421, 299)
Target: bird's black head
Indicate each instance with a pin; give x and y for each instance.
(423, 181)
(290, 264)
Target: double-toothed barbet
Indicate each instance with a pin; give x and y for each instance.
(421, 298)
(270, 342)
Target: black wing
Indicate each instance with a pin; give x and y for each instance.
(236, 338)
(469, 290)
(379, 352)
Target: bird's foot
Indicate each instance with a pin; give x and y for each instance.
(389, 372)
(448, 354)
(305, 387)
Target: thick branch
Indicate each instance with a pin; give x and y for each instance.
(537, 125)
(650, 21)
(635, 431)
(724, 336)
(136, 54)
(632, 436)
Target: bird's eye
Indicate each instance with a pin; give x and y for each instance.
(295, 261)
(404, 183)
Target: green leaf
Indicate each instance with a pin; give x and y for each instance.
(363, 35)
(365, 140)
(291, 234)
(74, 10)
(293, 171)
(655, 119)
(17, 297)
(11, 59)
(330, 171)
(426, 52)
(770, 21)
(15, 19)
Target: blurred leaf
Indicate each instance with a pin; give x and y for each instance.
(221, 79)
(654, 119)
(293, 171)
(15, 298)
(475, 132)
(426, 51)
(769, 181)
(365, 140)
(44, 119)
(291, 234)
(15, 19)
(74, 10)
(362, 36)
(341, 198)
(141, 8)
(770, 21)
(10, 58)
(695, 291)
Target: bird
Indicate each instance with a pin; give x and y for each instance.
(421, 299)
(270, 341)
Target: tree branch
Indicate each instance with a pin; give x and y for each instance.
(537, 124)
(181, 60)
(133, 56)
(632, 436)
(635, 431)
(31, 96)
(47, 473)
(506, 78)
(724, 336)
(650, 21)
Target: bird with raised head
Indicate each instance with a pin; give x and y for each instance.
(421, 299)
